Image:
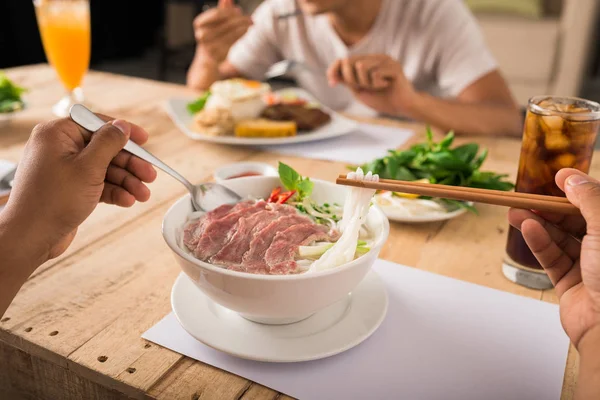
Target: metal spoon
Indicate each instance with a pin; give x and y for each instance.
(205, 196)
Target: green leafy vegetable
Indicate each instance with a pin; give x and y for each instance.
(198, 105)
(10, 95)
(292, 180)
(440, 163)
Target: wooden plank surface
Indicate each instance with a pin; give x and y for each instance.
(75, 327)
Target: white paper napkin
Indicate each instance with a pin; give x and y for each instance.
(359, 147)
(442, 339)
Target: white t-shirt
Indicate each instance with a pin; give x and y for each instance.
(438, 43)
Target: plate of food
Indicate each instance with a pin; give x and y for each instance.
(11, 98)
(244, 112)
(431, 162)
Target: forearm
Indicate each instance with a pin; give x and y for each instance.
(467, 118)
(19, 257)
(588, 382)
(202, 73)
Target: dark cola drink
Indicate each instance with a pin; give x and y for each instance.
(559, 132)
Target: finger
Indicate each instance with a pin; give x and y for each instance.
(234, 35)
(214, 17)
(561, 269)
(128, 181)
(137, 133)
(363, 70)
(584, 192)
(106, 143)
(216, 33)
(379, 80)
(225, 4)
(572, 224)
(334, 73)
(143, 170)
(348, 76)
(113, 194)
(563, 174)
(566, 242)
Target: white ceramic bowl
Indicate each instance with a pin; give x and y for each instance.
(274, 299)
(227, 171)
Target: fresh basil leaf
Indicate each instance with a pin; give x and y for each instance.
(447, 141)
(305, 188)
(429, 134)
(480, 159)
(288, 176)
(447, 161)
(466, 152)
(404, 174)
(405, 157)
(391, 168)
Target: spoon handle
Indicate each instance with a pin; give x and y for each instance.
(90, 121)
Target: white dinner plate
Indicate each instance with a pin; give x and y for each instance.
(338, 126)
(330, 331)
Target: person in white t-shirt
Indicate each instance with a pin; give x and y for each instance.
(420, 59)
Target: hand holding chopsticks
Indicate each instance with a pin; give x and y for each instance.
(526, 201)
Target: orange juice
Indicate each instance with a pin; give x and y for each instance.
(65, 30)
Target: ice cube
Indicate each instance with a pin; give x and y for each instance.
(552, 122)
(565, 160)
(556, 141)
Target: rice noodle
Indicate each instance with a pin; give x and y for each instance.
(356, 208)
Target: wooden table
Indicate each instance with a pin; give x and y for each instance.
(73, 332)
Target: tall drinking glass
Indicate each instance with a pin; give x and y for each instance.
(559, 132)
(65, 30)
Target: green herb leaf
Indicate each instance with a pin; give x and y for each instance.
(305, 187)
(447, 141)
(466, 152)
(10, 95)
(288, 176)
(198, 105)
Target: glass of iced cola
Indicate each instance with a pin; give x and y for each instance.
(559, 132)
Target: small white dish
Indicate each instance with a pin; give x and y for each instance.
(233, 171)
(338, 126)
(334, 329)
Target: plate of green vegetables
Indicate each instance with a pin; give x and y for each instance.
(432, 162)
(11, 98)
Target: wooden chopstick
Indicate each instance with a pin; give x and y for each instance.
(476, 190)
(496, 197)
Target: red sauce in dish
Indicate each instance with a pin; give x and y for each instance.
(244, 174)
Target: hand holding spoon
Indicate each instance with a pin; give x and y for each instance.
(205, 196)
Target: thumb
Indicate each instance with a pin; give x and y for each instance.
(584, 192)
(107, 142)
(223, 4)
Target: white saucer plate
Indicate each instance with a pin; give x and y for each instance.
(330, 331)
(338, 126)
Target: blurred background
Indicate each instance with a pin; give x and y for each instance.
(542, 46)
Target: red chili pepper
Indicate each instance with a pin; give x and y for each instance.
(278, 197)
(274, 195)
(285, 196)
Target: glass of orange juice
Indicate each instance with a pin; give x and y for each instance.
(66, 35)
